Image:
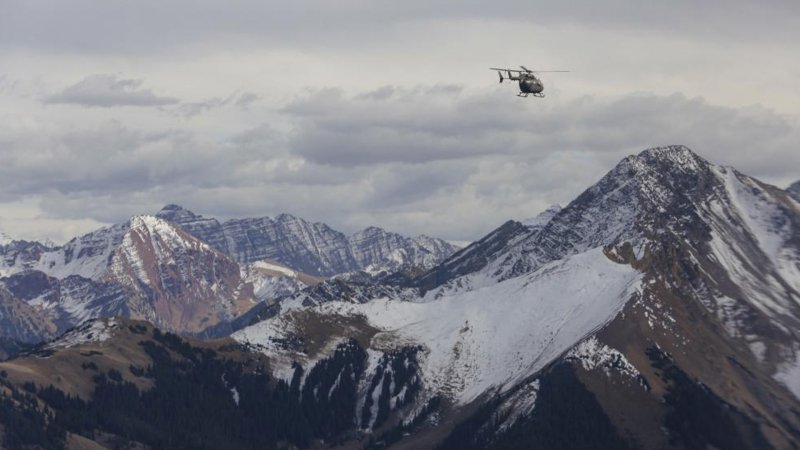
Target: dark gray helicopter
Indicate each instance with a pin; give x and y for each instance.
(529, 83)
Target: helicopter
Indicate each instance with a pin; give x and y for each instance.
(529, 83)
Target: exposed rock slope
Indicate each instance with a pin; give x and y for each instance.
(313, 248)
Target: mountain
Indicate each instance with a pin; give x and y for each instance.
(476, 256)
(794, 190)
(21, 324)
(659, 309)
(16, 256)
(145, 268)
(616, 292)
(312, 248)
(186, 273)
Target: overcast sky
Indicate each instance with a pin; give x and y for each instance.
(382, 113)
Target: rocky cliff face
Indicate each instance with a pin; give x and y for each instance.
(179, 282)
(208, 230)
(21, 324)
(311, 247)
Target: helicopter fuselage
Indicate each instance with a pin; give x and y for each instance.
(530, 85)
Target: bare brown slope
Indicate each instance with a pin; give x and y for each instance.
(670, 319)
(71, 362)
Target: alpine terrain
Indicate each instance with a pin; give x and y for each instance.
(660, 309)
(177, 270)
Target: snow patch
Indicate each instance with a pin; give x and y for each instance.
(265, 265)
(519, 405)
(98, 330)
(235, 394)
(495, 335)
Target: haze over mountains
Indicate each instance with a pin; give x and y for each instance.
(659, 309)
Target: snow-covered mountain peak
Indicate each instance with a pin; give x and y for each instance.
(286, 218)
(172, 207)
(659, 190)
(176, 213)
(168, 233)
(678, 156)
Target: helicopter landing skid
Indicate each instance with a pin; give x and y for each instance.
(526, 94)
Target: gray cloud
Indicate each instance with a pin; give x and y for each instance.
(154, 26)
(400, 125)
(242, 101)
(392, 125)
(105, 90)
(441, 161)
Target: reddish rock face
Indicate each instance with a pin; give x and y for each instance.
(174, 279)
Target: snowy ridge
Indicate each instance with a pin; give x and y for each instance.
(465, 352)
(87, 256)
(97, 330)
(4, 239)
(543, 218)
(310, 247)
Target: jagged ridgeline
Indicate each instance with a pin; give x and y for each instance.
(186, 273)
(659, 309)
